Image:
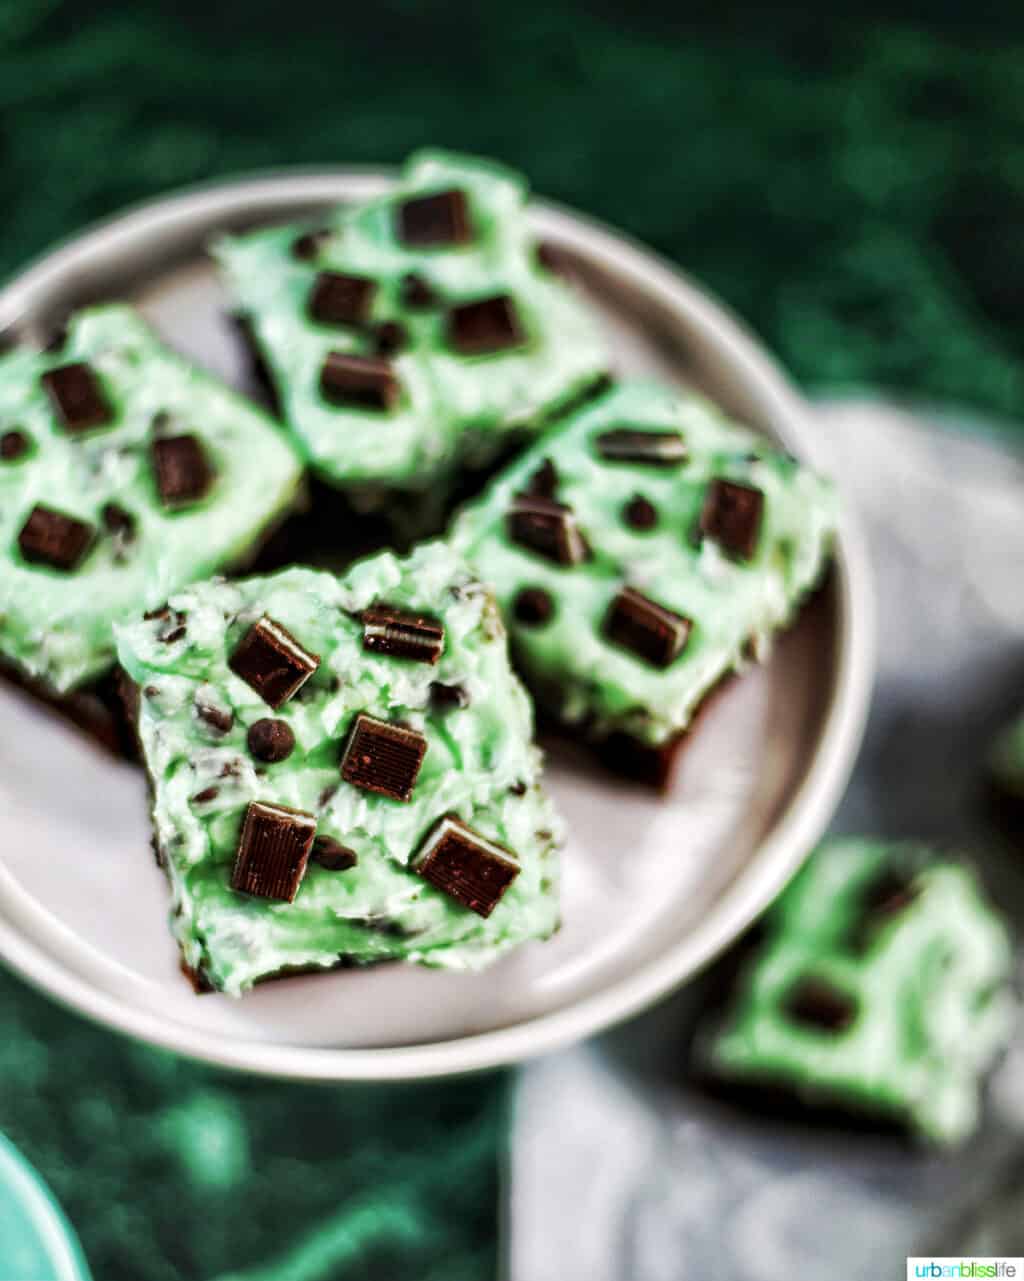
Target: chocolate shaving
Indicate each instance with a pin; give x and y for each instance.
(543, 483)
(547, 528)
(402, 634)
(183, 474)
(307, 246)
(206, 795)
(13, 445)
(468, 867)
(484, 326)
(332, 855)
(731, 515)
(815, 1002)
(435, 220)
(640, 513)
(645, 628)
(118, 522)
(360, 382)
(77, 397)
(51, 538)
(533, 606)
(272, 662)
(273, 851)
(416, 293)
(270, 740)
(389, 337)
(340, 299)
(219, 720)
(383, 758)
(448, 698)
(655, 448)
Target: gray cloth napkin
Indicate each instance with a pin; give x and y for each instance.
(620, 1170)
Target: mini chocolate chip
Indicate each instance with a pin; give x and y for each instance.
(518, 788)
(207, 794)
(270, 740)
(332, 855)
(533, 606)
(327, 795)
(118, 521)
(816, 1003)
(164, 611)
(389, 337)
(416, 293)
(448, 698)
(13, 445)
(640, 513)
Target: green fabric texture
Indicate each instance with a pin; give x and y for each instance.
(853, 187)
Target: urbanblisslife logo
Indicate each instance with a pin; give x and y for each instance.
(960, 1268)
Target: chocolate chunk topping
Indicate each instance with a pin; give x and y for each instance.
(183, 473)
(466, 866)
(441, 218)
(340, 299)
(270, 740)
(543, 483)
(533, 606)
(389, 337)
(206, 795)
(272, 662)
(49, 537)
(640, 513)
(448, 698)
(655, 448)
(645, 628)
(816, 1002)
(401, 634)
(13, 445)
(731, 515)
(332, 855)
(363, 382)
(219, 719)
(383, 758)
(484, 326)
(885, 897)
(547, 528)
(77, 396)
(416, 293)
(307, 246)
(117, 521)
(273, 851)
(174, 626)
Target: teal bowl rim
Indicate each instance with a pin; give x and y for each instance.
(43, 1213)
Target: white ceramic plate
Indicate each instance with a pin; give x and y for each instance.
(653, 887)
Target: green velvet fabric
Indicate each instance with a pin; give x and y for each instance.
(851, 182)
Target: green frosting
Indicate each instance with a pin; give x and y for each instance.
(928, 979)
(1007, 760)
(733, 605)
(56, 626)
(480, 765)
(454, 411)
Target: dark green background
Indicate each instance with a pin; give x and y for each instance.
(852, 184)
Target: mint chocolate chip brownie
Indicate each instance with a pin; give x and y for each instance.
(342, 771)
(414, 335)
(882, 987)
(124, 474)
(641, 551)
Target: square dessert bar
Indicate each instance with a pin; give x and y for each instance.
(124, 474)
(342, 771)
(882, 989)
(416, 334)
(641, 551)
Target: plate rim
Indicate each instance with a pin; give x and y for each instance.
(776, 858)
